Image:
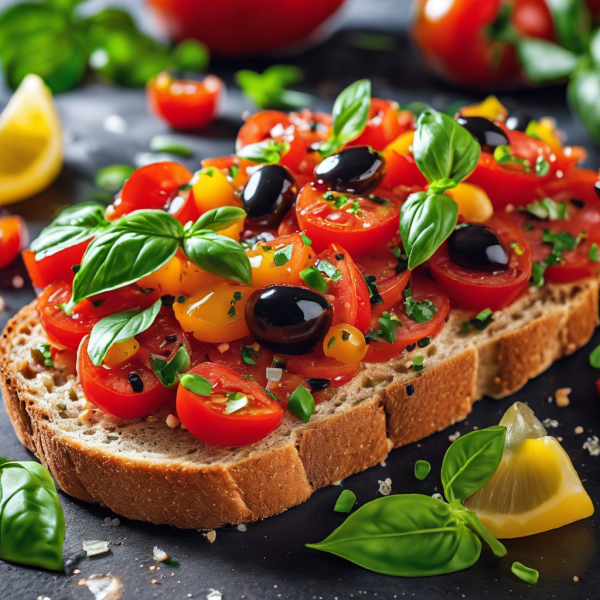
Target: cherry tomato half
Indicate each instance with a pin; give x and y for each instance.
(13, 237)
(56, 267)
(205, 416)
(184, 103)
(317, 365)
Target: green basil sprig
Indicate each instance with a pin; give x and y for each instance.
(117, 328)
(268, 151)
(350, 116)
(412, 535)
(168, 372)
(143, 241)
(73, 226)
(32, 522)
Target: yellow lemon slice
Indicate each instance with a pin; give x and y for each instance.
(30, 142)
(535, 488)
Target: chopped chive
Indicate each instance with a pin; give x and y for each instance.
(345, 502)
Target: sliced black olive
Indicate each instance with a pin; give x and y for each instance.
(317, 384)
(518, 119)
(288, 319)
(270, 192)
(486, 132)
(137, 385)
(478, 248)
(355, 170)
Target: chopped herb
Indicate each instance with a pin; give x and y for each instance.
(479, 322)
(172, 564)
(525, 573)
(417, 363)
(307, 241)
(266, 248)
(41, 355)
(271, 394)
(338, 201)
(170, 145)
(267, 151)
(247, 353)
(420, 311)
(62, 406)
(185, 187)
(248, 377)
(503, 156)
(593, 254)
(345, 502)
(518, 250)
(236, 402)
(354, 208)
(402, 259)
(196, 384)
(560, 241)
(112, 178)
(422, 468)
(528, 226)
(387, 330)
(547, 209)
(531, 129)
(378, 200)
(537, 273)
(301, 403)
(331, 342)
(542, 167)
(237, 296)
(168, 372)
(424, 342)
(374, 295)
(595, 358)
(329, 270)
(283, 256)
(313, 279)
(233, 171)
(345, 335)
(180, 299)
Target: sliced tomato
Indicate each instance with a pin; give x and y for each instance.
(183, 207)
(402, 170)
(317, 365)
(359, 224)
(349, 296)
(286, 386)
(477, 290)
(575, 183)
(70, 330)
(206, 418)
(56, 267)
(185, 103)
(152, 186)
(13, 237)
(422, 288)
(289, 224)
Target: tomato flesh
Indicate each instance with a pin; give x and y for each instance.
(13, 237)
(56, 267)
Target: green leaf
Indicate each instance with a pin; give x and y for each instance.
(66, 6)
(282, 257)
(313, 279)
(406, 535)
(117, 328)
(170, 145)
(168, 372)
(196, 384)
(544, 61)
(593, 253)
(470, 462)
(503, 156)
(426, 220)
(113, 177)
(542, 166)
(114, 18)
(547, 208)
(479, 322)
(350, 116)
(422, 468)
(525, 573)
(247, 354)
(301, 403)
(131, 248)
(420, 311)
(473, 522)
(73, 226)
(268, 151)
(445, 152)
(218, 254)
(32, 523)
(218, 219)
(191, 55)
(345, 502)
(583, 92)
(595, 358)
(572, 23)
(330, 270)
(537, 273)
(388, 324)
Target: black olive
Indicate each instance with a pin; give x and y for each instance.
(288, 319)
(355, 170)
(137, 385)
(518, 119)
(478, 248)
(270, 192)
(597, 188)
(486, 132)
(317, 384)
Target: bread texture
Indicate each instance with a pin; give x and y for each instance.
(143, 469)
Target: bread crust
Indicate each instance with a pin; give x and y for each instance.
(403, 407)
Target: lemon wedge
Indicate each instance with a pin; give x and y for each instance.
(30, 142)
(535, 488)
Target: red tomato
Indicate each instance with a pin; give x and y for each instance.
(575, 183)
(206, 418)
(401, 170)
(452, 37)
(185, 103)
(13, 236)
(477, 290)
(70, 330)
(317, 365)
(56, 267)
(373, 224)
(231, 28)
(422, 288)
(184, 208)
(284, 388)
(386, 122)
(289, 224)
(349, 296)
(152, 186)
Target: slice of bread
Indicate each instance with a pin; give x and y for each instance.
(143, 469)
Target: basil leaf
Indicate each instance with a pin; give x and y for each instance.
(196, 384)
(117, 328)
(470, 462)
(544, 61)
(115, 18)
(595, 357)
(330, 270)
(345, 501)
(113, 177)
(546, 208)
(406, 535)
(473, 522)
(525, 573)
(350, 116)
(313, 279)
(170, 145)
(73, 226)
(218, 219)
(168, 372)
(583, 92)
(302, 403)
(191, 55)
(32, 523)
(572, 23)
(268, 151)
(445, 152)
(131, 248)
(218, 254)
(422, 468)
(420, 311)
(426, 220)
(282, 257)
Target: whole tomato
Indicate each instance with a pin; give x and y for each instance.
(456, 40)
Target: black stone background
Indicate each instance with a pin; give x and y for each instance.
(269, 560)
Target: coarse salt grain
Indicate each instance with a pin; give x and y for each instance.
(242, 527)
(592, 445)
(214, 595)
(108, 522)
(562, 397)
(385, 487)
(454, 436)
(550, 423)
(575, 579)
(159, 555)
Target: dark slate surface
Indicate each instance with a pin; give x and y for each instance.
(269, 560)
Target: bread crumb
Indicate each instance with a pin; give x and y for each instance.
(242, 527)
(159, 555)
(550, 423)
(86, 416)
(382, 463)
(385, 487)
(153, 581)
(152, 568)
(173, 421)
(223, 347)
(575, 579)
(76, 571)
(571, 348)
(562, 397)
(211, 535)
(108, 522)
(592, 445)
(578, 430)
(454, 436)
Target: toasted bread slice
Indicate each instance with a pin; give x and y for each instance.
(143, 469)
